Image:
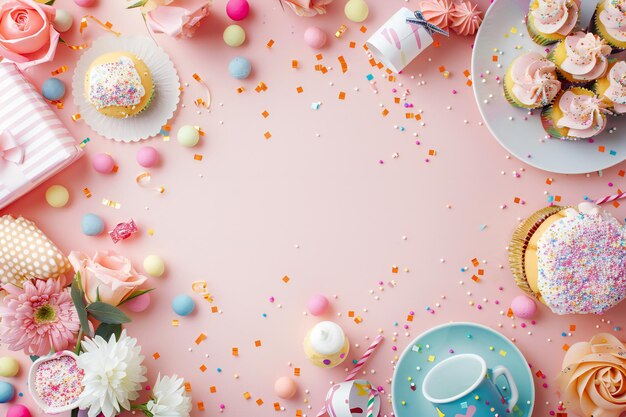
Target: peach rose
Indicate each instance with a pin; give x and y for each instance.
(593, 379)
(108, 275)
(176, 18)
(308, 8)
(27, 37)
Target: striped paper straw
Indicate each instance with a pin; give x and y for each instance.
(610, 198)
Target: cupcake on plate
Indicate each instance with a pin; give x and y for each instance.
(550, 21)
(609, 22)
(577, 113)
(612, 87)
(572, 260)
(119, 85)
(530, 81)
(581, 57)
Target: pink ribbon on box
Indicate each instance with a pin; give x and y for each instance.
(10, 150)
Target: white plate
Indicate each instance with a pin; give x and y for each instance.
(526, 138)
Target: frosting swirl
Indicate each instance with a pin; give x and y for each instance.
(115, 84)
(534, 78)
(593, 379)
(327, 338)
(586, 56)
(465, 18)
(555, 16)
(583, 115)
(613, 17)
(617, 87)
(437, 12)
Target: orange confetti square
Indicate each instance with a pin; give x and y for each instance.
(352, 45)
(299, 90)
(276, 406)
(475, 262)
(267, 135)
(388, 71)
(557, 198)
(475, 278)
(572, 327)
(240, 90)
(257, 343)
(214, 309)
(247, 395)
(494, 58)
(342, 95)
(601, 148)
(203, 368)
(418, 117)
(319, 57)
(363, 29)
(621, 173)
(358, 320)
(539, 374)
(265, 114)
(516, 200)
(188, 386)
(396, 100)
(549, 181)
(409, 318)
(380, 65)
(294, 63)
(466, 73)
(468, 83)
(392, 78)
(259, 402)
(87, 192)
(481, 272)
(298, 413)
(270, 43)
(394, 269)
(385, 112)
(436, 44)
(198, 157)
(324, 70)
(409, 115)
(442, 68)
(200, 406)
(350, 313)
(200, 338)
(566, 347)
(372, 62)
(235, 351)
(432, 152)
(616, 204)
(296, 371)
(285, 279)
(156, 355)
(212, 389)
(509, 313)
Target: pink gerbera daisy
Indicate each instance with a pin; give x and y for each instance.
(38, 318)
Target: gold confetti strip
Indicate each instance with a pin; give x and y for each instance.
(175, 323)
(197, 157)
(111, 203)
(247, 395)
(235, 351)
(59, 104)
(108, 26)
(59, 70)
(261, 86)
(200, 287)
(200, 406)
(240, 90)
(76, 116)
(187, 386)
(151, 232)
(200, 338)
(259, 402)
(143, 180)
(206, 104)
(87, 192)
(342, 29)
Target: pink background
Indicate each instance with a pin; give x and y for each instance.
(323, 210)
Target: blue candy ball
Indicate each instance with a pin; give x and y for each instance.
(53, 89)
(183, 305)
(239, 68)
(7, 392)
(92, 224)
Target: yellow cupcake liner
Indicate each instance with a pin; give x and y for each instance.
(598, 28)
(547, 117)
(540, 38)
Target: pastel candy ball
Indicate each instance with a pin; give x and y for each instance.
(523, 307)
(356, 10)
(188, 136)
(154, 265)
(315, 37)
(239, 68)
(62, 21)
(138, 304)
(85, 3)
(183, 305)
(147, 157)
(234, 36)
(285, 387)
(18, 410)
(57, 196)
(92, 224)
(7, 392)
(237, 9)
(318, 304)
(9, 367)
(53, 89)
(103, 163)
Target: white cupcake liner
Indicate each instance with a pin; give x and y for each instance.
(166, 89)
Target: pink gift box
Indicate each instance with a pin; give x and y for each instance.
(34, 144)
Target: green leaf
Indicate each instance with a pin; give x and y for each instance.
(50, 2)
(78, 297)
(74, 412)
(107, 313)
(140, 3)
(98, 293)
(34, 357)
(136, 294)
(105, 330)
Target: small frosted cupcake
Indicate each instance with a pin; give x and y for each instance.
(530, 82)
(612, 87)
(610, 22)
(577, 113)
(581, 57)
(326, 345)
(550, 21)
(119, 85)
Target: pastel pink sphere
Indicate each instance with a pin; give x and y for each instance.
(138, 304)
(318, 304)
(103, 163)
(237, 9)
(147, 157)
(18, 410)
(285, 387)
(315, 37)
(85, 3)
(523, 307)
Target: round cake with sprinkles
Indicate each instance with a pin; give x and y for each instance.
(119, 85)
(572, 260)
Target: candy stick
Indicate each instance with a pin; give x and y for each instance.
(371, 402)
(357, 368)
(610, 198)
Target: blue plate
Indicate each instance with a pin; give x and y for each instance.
(439, 343)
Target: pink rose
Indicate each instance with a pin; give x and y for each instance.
(308, 8)
(178, 18)
(108, 275)
(27, 37)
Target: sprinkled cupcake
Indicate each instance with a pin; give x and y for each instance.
(610, 22)
(550, 21)
(581, 57)
(612, 87)
(572, 260)
(531, 82)
(119, 85)
(577, 113)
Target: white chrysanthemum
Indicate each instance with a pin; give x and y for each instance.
(113, 374)
(169, 398)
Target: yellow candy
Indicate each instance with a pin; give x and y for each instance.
(356, 10)
(57, 196)
(153, 265)
(234, 36)
(8, 366)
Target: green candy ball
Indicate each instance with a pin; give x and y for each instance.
(234, 36)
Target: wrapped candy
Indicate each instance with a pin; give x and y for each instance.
(123, 231)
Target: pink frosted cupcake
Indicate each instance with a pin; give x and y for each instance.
(437, 12)
(581, 57)
(465, 18)
(531, 82)
(610, 22)
(577, 113)
(612, 87)
(550, 21)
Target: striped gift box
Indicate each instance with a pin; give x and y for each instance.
(47, 145)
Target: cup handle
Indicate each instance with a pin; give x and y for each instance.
(499, 371)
